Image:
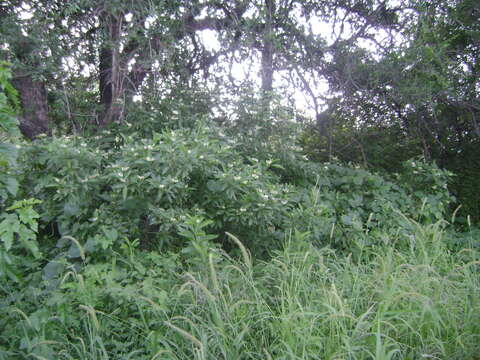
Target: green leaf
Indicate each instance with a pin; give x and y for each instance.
(52, 270)
(357, 180)
(27, 216)
(7, 237)
(111, 234)
(71, 209)
(6, 267)
(8, 227)
(8, 153)
(12, 185)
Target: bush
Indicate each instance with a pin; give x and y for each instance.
(110, 188)
(137, 248)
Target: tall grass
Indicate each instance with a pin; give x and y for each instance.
(409, 298)
(417, 302)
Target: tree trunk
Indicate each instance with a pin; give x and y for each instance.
(266, 71)
(33, 95)
(268, 49)
(111, 88)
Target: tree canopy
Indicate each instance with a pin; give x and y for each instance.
(375, 82)
(261, 179)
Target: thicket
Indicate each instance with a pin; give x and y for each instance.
(163, 207)
(183, 245)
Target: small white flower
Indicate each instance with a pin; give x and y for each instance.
(161, 186)
(148, 158)
(243, 209)
(141, 177)
(201, 157)
(236, 178)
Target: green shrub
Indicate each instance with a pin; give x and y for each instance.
(9, 133)
(112, 187)
(138, 237)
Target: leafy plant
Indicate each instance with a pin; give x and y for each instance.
(18, 231)
(9, 103)
(199, 242)
(9, 108)
(107, 189)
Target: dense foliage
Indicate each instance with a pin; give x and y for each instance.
(133, 250)
(122, 185)
(156, 204)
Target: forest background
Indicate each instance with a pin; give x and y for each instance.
(150, 147)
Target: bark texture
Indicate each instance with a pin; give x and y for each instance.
(34, 119)
(111, 89)
(33, 96)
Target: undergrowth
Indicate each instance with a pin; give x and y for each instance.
(183, 244)
(421, 301)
